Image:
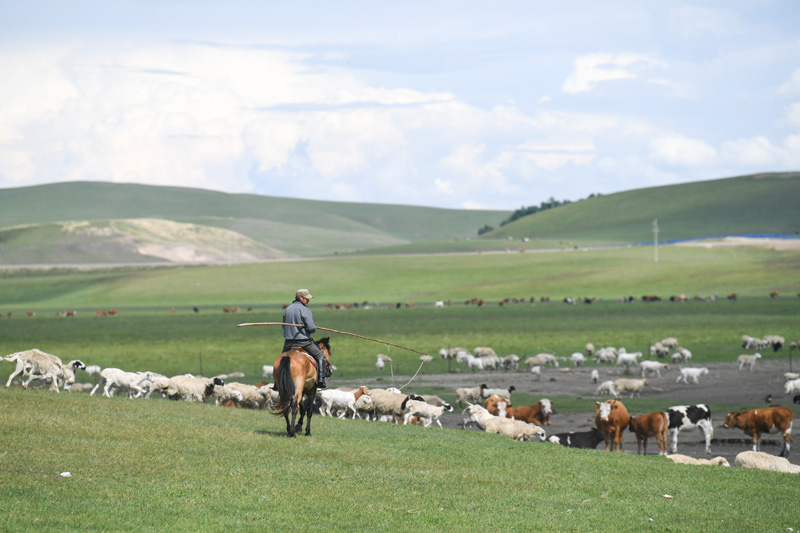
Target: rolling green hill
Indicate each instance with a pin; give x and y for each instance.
(33, 229)
(83, 222)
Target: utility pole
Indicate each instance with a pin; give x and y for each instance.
(655, 239)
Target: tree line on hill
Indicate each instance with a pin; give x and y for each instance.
(530, 210)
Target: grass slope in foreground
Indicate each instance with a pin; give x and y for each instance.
(193, 467)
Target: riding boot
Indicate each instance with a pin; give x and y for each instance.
(321, 373)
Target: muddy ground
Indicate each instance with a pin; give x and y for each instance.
(724, 383)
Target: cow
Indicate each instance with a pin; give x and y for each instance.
(578, 439)
(538, 414)
(612, 418)
(686, 418)
(650, 425)
(757, 421)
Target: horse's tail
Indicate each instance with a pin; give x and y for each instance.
(285, 386)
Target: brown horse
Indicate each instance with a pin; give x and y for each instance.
(296, 375)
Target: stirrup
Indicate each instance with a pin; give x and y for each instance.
(322, 385)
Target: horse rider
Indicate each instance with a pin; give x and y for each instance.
(300, 337)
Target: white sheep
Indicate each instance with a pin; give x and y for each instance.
(691, 373)
(252, 397)
(608, 388)
(652, 367)
(789, 376)
(748, 360)
(681, 355)
(542, 359)
(390, 403)
(687, 460)
(536, 372)
(791, 386)
(113, 379)
(605, 355)
(490, 362)
(765, 461)
(39, 365)
(626, 359)
(267, 371)
(589, 349)
(190, 388)
(339, 400)
(669, 342)
(515, 429)
(484, 351)
(227, 393)
(425, 358)
(658, 350)
(381, 360)
(577, 359)
(751, 343)
(595, 375)
(468, 395)
(424, 411)
(364, 405)
(510, 362)
(503, 393)
(474, 363)
(635, 386)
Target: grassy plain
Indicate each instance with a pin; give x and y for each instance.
(160, 465)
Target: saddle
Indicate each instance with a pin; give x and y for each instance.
(310, 359)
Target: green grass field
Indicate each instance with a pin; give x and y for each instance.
(161, 465)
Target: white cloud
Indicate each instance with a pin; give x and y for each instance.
(591, 69)
(791, 87)
(757, 152)
(793, 115)
(680, 151)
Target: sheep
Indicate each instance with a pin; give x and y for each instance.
(253, 397)
(628, 359)
(154, 383)
(267, 371)
(748, 360)
(433, 399)
(791, 386)
(542, 359)
(652, 367)
(490, 362)
(669, 342)
(765, 461)
(536, 372)
(595, 375)
(605, 355)
(364, 405)
(39, 364)
(691, 373)
(424, 411)
(776, 341)
(577, 359)
(484, 351)
(381, 361)
(589, 349)
(633, 385)
(468, 395)
(515, 429)
(687, 460)
(340, 400)
(390, 403)
(190, 388)
(474, 363)
(227, 394)
(789, 376)
(503, 393)
(425, 358)
(608, 387)
(510, 362)
(751, 343)
(67, 375)
(659, 350)
(114, 378)
(681, 355)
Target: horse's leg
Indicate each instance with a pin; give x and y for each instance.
(309, 408)
(290, 427)
(298, 402)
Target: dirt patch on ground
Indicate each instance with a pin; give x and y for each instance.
(724, 383)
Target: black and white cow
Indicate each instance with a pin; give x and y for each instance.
(578, 439)
(688, 417)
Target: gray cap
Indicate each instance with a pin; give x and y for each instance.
(303, 293)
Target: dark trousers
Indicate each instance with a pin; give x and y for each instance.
(313, 350)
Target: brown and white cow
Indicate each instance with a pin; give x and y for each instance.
(612, 418)
(650, 425)
(757, 421)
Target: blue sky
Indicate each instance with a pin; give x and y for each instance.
(477, 105)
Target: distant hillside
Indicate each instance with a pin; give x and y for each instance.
(91, 222)
(761, 203)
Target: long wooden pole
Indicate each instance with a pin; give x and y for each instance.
(331, 330)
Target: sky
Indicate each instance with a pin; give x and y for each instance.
(453, 104)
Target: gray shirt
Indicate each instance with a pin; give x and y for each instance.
(297, 313)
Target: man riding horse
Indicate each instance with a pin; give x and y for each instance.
(300, 337)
